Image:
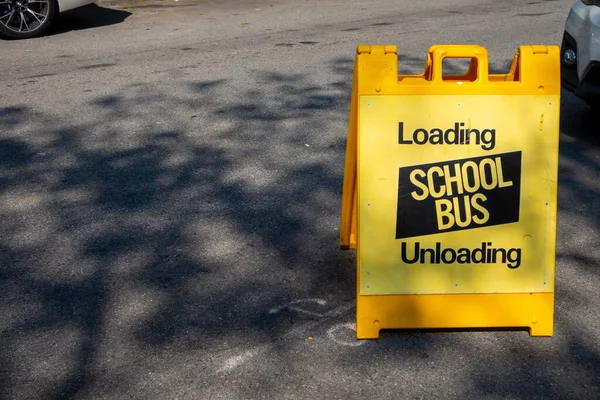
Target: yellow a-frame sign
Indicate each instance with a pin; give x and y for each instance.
(450, 191)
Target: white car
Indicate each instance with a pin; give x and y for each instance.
(21, 19)
(580, 49)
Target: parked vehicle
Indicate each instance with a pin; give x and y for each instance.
(22, 19)
(580, 50)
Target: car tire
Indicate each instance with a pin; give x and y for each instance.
(36, 17)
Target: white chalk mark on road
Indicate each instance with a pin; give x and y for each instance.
(299, 332)
(238, 360)
(291, 306)
(350, 338)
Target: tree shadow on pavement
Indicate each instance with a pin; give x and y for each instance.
(135, 254)
(212, 224)
(579, 120)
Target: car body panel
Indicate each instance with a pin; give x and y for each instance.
(66, 5)
(583, 24)
(581, 74)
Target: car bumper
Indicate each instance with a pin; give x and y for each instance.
(66, 5)
(582, 34)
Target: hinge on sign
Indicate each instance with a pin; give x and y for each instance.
(540, 49)
(363, 49)
(390, 49)
(385, 49)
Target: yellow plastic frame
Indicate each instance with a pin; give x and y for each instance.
(535, 70)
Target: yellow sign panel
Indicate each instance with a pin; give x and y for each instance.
(454, 199)
(450, 190)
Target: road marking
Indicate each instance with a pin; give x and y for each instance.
(298, 332)
(290, 306)
(238, 360)
(348, 326)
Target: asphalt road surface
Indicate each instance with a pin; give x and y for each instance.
(170, 187)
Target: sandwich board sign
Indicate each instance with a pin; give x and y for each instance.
(450, 191)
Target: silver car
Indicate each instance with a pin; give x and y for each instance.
(580, 67)
(22, 19)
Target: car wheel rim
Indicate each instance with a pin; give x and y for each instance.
(24, 15)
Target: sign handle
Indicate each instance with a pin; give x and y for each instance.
(478, 71)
